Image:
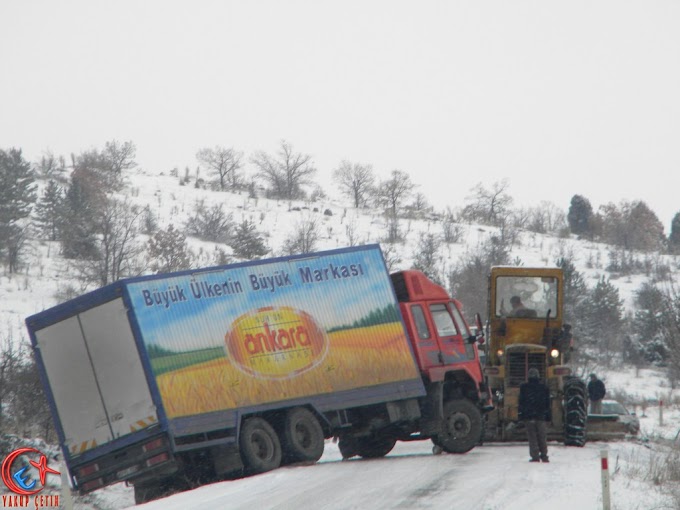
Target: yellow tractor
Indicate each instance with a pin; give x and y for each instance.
(526, 330)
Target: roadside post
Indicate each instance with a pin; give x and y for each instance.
(660, 413)
(66, 497)
(604, 462)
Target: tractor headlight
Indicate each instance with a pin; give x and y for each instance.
(499, 353)
(554, 353)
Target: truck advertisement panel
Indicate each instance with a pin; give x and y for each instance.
(247, 335)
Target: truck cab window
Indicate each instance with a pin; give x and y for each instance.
(459, 319)
(443, 320)
(421, 323)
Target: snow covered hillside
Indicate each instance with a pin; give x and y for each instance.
(48, 278)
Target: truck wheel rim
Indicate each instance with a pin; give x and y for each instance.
(263, 445)
(459, 425)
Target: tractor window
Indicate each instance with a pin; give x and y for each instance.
(526, 296)
(421, 323)
(443, 320)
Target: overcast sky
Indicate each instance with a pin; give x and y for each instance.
(560, 98)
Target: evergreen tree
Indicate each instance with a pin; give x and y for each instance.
(77, 225)
(647, 326)
(17, 196)
(48, 210)
(604, 320)
(247, 242)
(674, 236)
(580, 215)
(168, 251)
(575, 291)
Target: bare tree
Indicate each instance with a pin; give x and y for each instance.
(225, 162)
(120, 156)
(286, 174)
(392, 193)
(50, 167)
(117, 224)
(427, 258)
(106, 166)
(451, 230)
(303, 239)
(210, 223)
(632, 225)
(490, 207)
(391, 255)
(355, 181)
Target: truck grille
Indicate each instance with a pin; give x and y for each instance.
(519, 364)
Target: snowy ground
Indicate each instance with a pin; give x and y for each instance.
(490, 477)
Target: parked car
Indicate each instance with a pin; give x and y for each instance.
(615, 422)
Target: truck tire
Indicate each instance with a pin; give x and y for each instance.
(374, 447)
(148, 492)
(348, 447)
(575, 411)
(303, 437)
(260, 446)
(462, 427)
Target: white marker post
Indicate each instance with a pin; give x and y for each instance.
(604, 460)
(660, 413)
(66, 498)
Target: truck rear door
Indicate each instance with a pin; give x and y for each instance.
(95, 376)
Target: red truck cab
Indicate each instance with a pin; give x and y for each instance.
(440, 336)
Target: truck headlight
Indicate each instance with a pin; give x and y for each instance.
(554, 353)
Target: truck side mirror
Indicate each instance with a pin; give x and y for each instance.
(479, 337)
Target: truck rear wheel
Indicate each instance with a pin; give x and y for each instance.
(260, 446)
(374, 447)
(347, 446)
(148, 492)
(303, 438)
(462, 427)
(575, 412)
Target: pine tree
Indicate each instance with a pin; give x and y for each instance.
(580, 215)
(48, 210)
(674, 236)
(17, 196)
(168, 251)
(575, 291)
(604, 319)
(647, 327)
(247, 242)
(77, 225)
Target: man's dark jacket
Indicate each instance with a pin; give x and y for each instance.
(534, 401)
(596, 390)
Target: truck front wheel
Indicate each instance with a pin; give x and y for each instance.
(461, 428)
(260, 446)
(303, 438)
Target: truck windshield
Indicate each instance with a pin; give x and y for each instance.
(526, 296)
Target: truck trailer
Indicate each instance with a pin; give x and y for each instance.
(173, 380)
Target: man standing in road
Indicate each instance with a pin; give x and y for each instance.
(596, 392)
(534, 411)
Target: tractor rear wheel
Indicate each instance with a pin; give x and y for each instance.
(575, 411)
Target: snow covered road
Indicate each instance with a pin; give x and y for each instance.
(490, 477)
